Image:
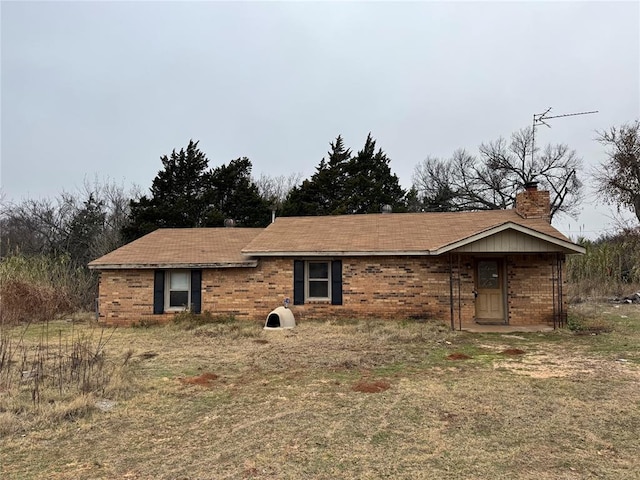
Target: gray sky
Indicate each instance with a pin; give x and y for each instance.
(106, 88)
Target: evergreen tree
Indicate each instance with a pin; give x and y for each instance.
(188, 194)
(234, 195)
(324, 192)
(86, 225)
(347, 184)
(303, 200)
(370, 183)
(177, 195)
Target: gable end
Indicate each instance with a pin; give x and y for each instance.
(512, 238)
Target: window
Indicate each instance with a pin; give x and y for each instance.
(178, 290)
(488, 274)
(175, 290)
(318, 282)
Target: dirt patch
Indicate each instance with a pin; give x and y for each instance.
(512, 352)
(560, 362)
(458, 356)
(261, 341)
(371, 387)
(204, 380)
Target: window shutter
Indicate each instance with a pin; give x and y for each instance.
(196, 291)
(336, 282)
(158, 292)
(298, 282)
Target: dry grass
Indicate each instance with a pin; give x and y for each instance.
(40, 287)
(229, 400)
(23, 301)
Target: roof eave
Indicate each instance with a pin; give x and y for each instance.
(174, 266)
(338, 253)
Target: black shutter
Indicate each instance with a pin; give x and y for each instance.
(298, 282)
(158, 292)
(336, 282)
(196, 291)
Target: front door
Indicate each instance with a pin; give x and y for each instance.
(489, 288)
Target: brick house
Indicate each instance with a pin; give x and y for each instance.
(497, 267)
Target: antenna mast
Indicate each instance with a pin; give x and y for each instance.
(539, 119)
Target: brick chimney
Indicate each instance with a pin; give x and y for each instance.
(533, 203)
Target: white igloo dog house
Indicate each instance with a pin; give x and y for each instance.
(280, 318)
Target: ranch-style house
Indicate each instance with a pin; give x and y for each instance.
(493, 267)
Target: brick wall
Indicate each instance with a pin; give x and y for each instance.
(125, 296)
(395, 288)
(374, 287)
(530, 289)
(248, 293)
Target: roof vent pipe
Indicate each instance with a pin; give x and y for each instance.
(387, 208)
(229, 222)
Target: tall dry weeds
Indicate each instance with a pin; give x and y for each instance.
(41, 288)
(51, 376)
(610, 267)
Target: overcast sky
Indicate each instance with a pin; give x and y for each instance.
(106, 88)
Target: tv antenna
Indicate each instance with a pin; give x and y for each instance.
(540, 119)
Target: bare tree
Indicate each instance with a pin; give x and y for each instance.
(275, 189)
(438, 182)
(618, 178)
(83, 225)
(491, 180)
(115, 199)
(34, 225)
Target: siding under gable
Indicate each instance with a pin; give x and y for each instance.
(509, 241)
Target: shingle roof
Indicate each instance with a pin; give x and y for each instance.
(393, 233)
(183, 248)
(374, 234)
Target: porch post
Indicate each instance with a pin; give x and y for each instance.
(554, 266)
(459, 294)
(453, 326)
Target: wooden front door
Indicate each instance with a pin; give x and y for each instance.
(489, 288)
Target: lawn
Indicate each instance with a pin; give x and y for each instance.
(334, 399)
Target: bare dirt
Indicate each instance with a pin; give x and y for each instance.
(512, 352)
(458, 356)
(204, 380)
(371, 386)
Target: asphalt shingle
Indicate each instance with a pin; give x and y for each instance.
(379, 233)
(373, 233)
(182, 246)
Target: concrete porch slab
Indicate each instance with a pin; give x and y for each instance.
(477, 328)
